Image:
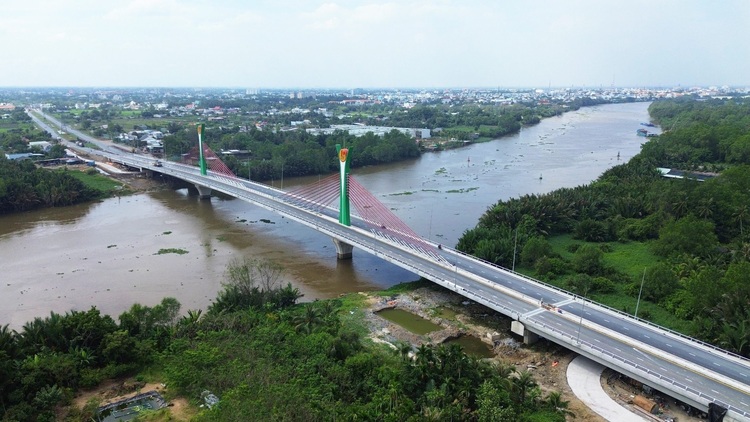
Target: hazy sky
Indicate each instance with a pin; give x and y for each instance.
(378, 43)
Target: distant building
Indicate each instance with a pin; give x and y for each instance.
(20, 156)
(42, 145)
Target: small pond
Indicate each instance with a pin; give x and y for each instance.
(446, 313)
(414, 323)
(472, 346)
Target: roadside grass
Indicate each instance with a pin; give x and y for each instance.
(104, 185)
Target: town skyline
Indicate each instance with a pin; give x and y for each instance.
(375, 44)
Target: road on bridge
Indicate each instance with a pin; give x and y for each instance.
(694, 372)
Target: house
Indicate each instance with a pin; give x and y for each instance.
(42, 145)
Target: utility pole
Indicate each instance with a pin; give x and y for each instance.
(639, 293)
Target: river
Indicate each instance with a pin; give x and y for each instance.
(106, 254)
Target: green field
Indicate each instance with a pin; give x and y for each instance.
(628, 258)
(105, 185)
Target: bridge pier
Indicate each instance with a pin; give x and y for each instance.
(203, 191)
(343, 250)
(517, 327)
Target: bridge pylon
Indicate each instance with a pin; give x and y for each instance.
(343, 249)
(344, 215)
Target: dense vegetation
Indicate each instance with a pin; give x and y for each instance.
(265, 356)
(295, 153)
(691, 236)
(23, 187)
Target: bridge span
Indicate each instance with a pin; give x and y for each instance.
(697, 373)
(694, 372)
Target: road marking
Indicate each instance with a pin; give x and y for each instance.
(716, 364)
(744, 404)
(743, 374)
(588, 313)
(646, 336)
(668, 345)
(596, 339)
(693, 355)
(715, 391)
(626, 328)
(618, 350)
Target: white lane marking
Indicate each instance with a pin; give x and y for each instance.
(646, 336)
(668, 345)
(596, 339)
(606, 320)
(626, 328)
(744, 404)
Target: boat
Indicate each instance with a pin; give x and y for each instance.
(648, 124)
(641, 132)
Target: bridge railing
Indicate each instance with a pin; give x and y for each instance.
(561, 334)
(242, 183)
(610, 309)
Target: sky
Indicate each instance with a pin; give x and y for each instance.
(258, 44)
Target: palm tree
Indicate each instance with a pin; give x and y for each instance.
(309, 320)
(522, 386)
(8, 342)
(555, 402)
(740, 215)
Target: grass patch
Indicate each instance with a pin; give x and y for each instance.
(628, 258)
(177, 251)
(352, 313)
(103, 184)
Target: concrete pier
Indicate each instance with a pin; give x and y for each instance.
(343, 250)
(203, 191)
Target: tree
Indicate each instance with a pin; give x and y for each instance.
(535, 248)
(659, 282)
(588, 259)
(689, 235)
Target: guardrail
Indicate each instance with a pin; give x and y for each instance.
(239, 188)
(608, 308)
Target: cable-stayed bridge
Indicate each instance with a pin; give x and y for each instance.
(694, 372)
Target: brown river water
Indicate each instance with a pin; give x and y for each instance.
(105, 254)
